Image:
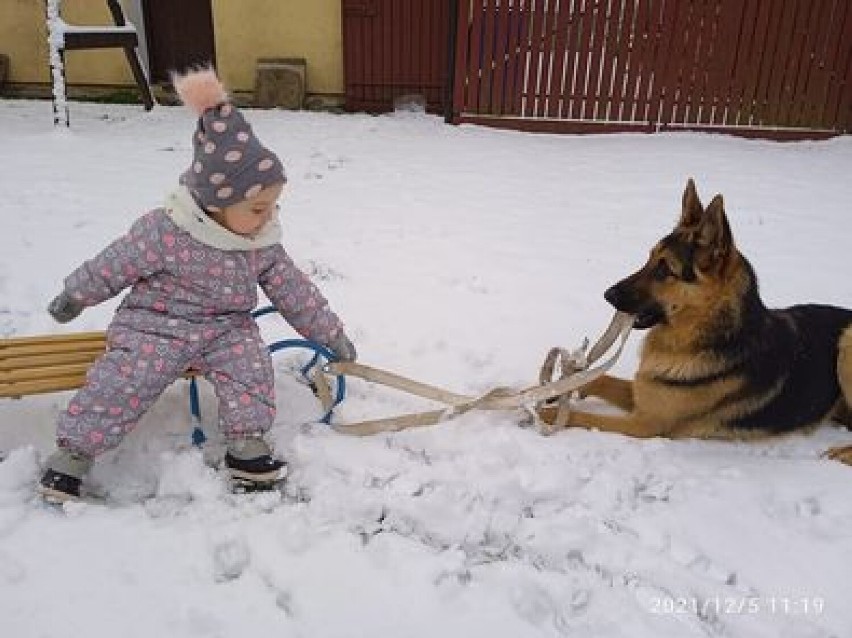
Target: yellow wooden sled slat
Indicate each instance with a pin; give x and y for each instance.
(49, 363)
(47, 360)
(42, 386)
(71, 337)
(35, 373)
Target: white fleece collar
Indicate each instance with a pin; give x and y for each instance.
(186, 214)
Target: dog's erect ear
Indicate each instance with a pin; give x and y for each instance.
(692, 211)
(714, 233)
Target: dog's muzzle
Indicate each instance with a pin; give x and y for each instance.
(647, 313)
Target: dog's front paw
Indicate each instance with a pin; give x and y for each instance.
(553, 416)
(546, 429)
(842, 454)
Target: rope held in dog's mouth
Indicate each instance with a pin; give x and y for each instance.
(575, 372)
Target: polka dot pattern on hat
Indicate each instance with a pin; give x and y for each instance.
(230, 164)
(253, 191)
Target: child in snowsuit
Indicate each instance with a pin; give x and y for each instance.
(193, 267)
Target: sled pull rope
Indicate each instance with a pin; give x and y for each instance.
(575, 372)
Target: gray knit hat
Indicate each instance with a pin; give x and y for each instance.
(229, 163)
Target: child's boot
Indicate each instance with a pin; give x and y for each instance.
(63, 476)
(250, 462)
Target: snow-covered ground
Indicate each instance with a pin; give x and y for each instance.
(456, 256)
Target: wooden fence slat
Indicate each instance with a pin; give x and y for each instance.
(444, 55)
(501, 36)
(595, 58)
(365, 73)
(547, 46)
(622, 54)
(767, 54)
(436, 50)
(816, 31)
(487, 53)
(421, 49)
(425, 50)
(718, 51)
(828, 53)
(672, 69)
(403, 44)
(692, 72)
(474, 68)
(726, 24)
(742, 21)
(462, 59)
(584, 48)
(707, 85)
(678, 100)
(796, 63)
(839, 100)
(349, 59)
(514, 58)
(665, 35)
(666, 67)
(574, 47)
(541, 60)
(845, 105)
(844, 108)
(639, 69)
(748, 104)
(833, 57)
(522, 55)
(531, 72)
(377, 32)
(558, 55)
(610, 27)
(784, 62)
(552, 95)
(689, 99)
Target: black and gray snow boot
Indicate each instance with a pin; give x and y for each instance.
(251, 464)
(62, 478)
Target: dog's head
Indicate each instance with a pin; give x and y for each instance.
(685, 268)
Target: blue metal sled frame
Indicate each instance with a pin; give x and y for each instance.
(320, 353)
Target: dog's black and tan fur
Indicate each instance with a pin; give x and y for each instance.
(716, 363)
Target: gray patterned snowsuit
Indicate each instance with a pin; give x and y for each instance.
(189, 306)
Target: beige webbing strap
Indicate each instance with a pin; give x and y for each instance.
(323, 390)
(396, 381)
(575, 373)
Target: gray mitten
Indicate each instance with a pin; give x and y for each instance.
(64, 308)
(342, 347)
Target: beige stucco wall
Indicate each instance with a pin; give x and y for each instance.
(244, 31)
(251, 29)
(23, 37)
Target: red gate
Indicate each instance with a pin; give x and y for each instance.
(770, 68)
(392, 49)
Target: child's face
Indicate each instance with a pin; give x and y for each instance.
(247, 217)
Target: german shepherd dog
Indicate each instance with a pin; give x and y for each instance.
(716, 363)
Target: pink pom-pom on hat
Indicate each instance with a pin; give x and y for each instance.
(229, 163)
(200, 90)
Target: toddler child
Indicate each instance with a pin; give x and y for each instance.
(193, 267)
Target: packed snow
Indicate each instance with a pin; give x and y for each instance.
(456, 256)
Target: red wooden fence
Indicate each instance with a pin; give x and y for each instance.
(394, 48)
(776, 68)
